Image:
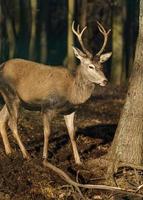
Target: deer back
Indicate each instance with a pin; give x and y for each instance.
(33, 81)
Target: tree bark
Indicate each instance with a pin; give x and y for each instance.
(127, 146)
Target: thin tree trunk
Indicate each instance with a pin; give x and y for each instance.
(83, 20)
(38, 30)
(70, 39)
(4, 36)
(11, 12)
(130, 35)
(33, 29)
(117, 42)
(44, 31)
(43, 43)
(83, 13)
(11, 38)
(127, 146)
(41, 35)
(23, 37)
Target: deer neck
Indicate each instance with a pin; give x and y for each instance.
(81, 88)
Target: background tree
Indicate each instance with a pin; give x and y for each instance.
(70, 39)
(40, 31)
(130, 33)
(118, 17)
(33, 29)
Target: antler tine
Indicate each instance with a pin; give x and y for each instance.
(105, 34)
(102, 29)
(79, 36)
(78, 30)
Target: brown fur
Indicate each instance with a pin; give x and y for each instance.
(33, 81)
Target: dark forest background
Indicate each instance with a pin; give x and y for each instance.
(40, 30)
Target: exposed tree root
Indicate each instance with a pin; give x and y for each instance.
(137, 167)
(66, 178)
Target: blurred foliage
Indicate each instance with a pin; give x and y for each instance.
(40, 30)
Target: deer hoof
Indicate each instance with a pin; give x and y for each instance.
(8, 152)
(78, 162)
(27, 156)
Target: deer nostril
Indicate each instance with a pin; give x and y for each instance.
(105, 82)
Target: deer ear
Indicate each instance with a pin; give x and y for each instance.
(78, 53)
(104, 57)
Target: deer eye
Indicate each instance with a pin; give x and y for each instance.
(91, 66)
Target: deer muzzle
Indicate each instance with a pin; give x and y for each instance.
(104, 82)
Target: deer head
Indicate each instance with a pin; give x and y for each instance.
(91, 65)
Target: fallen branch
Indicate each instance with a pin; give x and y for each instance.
(64, 176)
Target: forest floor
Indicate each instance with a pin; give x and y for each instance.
(96, 122)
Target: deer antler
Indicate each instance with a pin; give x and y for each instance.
(105, 34)
(79, 36)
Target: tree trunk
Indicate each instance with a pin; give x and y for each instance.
(83, 19)
(127, 146)
(11, 37)
(33, 30)
(25, 22)
(130, 35)
(4, 50)
(117, 42)
(83, 13)
(43, 43)
(70, 39)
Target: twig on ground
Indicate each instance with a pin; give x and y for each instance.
(64, 176)
(137, 176)
(77, 176)
(139, 188)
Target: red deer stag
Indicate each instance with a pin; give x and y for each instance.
(52, 90)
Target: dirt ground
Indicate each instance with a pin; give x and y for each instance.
(96, 122)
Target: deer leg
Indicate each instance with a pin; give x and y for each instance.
(4, 116)
(69, 120)
(13, 110)
(12, 104)
(47, 117)
(47, 132)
